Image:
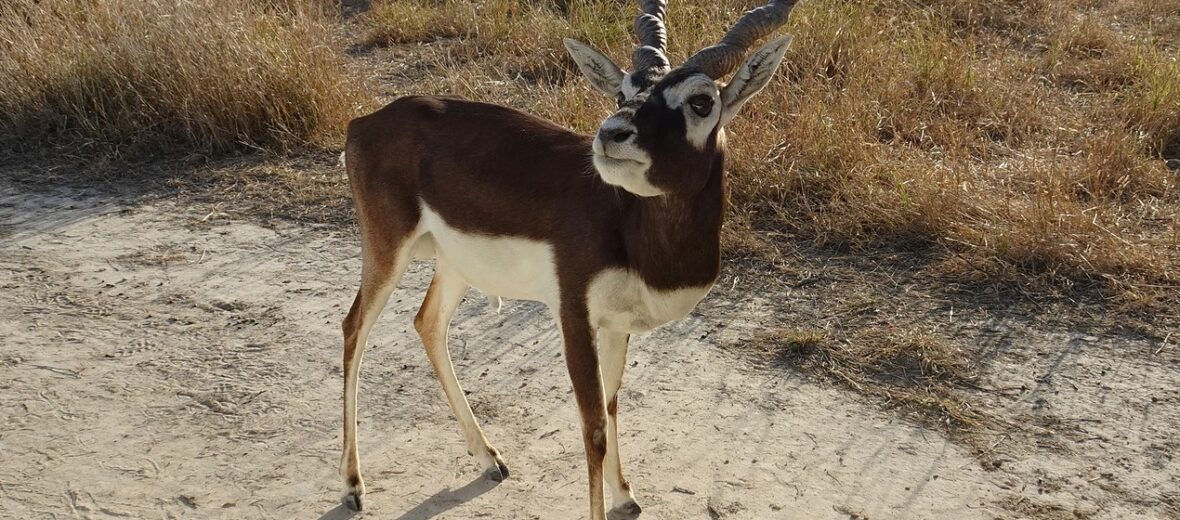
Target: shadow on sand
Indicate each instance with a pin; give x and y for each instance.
(433, 506)
(340, 512)
(447, 499)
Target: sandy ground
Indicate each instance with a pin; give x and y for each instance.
(161, 359)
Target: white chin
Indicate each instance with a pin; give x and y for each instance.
(627, 174)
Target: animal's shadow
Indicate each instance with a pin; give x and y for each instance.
(436, 504)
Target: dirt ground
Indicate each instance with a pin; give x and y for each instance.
(168, 358)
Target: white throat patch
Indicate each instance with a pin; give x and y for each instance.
(619, 300)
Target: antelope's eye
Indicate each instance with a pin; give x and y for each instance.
(701, 104)
(620, 99)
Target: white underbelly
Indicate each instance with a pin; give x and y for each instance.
(523, 269)
(516, 268)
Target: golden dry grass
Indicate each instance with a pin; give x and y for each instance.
(1032, 144)
(910, 369)
(1026, 145)
(137, 76)
(1020, 141)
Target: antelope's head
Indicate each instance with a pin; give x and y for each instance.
(667, 131)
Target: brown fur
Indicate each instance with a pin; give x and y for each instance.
(521, 176)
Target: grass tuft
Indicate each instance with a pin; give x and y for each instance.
(1152, 104)
(912, 370)
(419, 21)
(135, 77)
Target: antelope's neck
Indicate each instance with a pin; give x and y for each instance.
(673, 258)
(675, 241)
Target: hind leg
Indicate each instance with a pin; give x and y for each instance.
(433, 319)
(378, 279)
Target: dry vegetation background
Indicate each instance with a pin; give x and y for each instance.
(1032, 146)
(1034, 142)
(133, 77)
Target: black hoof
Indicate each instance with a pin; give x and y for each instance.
(494, 474)
(354, 502)
(503, 469)
(628, 511)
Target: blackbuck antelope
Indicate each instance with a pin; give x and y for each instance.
(617, 233)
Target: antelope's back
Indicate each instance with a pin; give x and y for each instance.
(480, 166)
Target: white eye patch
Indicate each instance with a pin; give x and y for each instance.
(697, 128)
(676, 95)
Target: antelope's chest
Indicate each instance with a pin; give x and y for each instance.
(620, 300)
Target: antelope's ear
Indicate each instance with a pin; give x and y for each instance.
(599, 69)
(755, 73)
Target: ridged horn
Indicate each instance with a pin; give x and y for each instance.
(653, 38)
(723, 58)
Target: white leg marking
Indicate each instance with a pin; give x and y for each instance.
(376, 286)
(434, 318)
(612, 358)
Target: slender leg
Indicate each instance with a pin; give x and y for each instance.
(377, 282)
(582, 362)
(433, 319)
(612, 354)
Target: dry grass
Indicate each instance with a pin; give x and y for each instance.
(1022, 142)
(522, 40)
(134, 77)
(419, 21)
(912, 370)
(983, 145)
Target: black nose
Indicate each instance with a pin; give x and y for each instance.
(616, 134)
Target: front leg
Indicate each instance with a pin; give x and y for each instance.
(582, 362)
(612, 354)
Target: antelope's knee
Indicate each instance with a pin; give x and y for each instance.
(424, 321)
(596, 441)
(349, 325)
